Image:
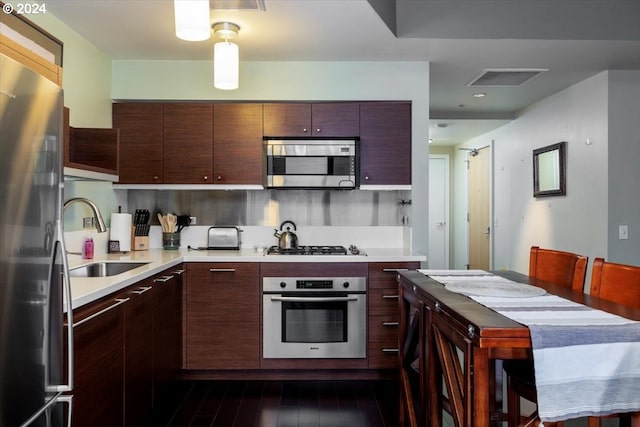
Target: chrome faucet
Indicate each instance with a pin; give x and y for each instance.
(96, 212)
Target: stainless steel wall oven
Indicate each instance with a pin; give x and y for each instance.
(314, 317)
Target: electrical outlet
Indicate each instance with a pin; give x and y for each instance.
(623, 232)
(193, 220)
(87, 222)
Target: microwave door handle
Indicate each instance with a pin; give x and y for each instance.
(313, 299)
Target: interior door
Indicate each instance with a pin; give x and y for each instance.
(478, 206)
(438, 257)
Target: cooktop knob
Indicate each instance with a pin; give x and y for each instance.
(283, 284)
(345, 285)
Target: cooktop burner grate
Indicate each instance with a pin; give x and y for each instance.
(308, 250)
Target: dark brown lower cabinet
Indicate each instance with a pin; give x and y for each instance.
(383, 320)
(222, 316)
(167, 331)
(138, 353)
(98, 390)
(127, 352)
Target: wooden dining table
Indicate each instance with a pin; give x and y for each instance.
(450, 342)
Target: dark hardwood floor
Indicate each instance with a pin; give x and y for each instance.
(281, 404)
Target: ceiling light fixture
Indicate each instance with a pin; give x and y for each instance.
(479, 95)
(226, 56)
(192, 19)
(238, 5)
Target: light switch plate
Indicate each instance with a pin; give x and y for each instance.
(623, 232)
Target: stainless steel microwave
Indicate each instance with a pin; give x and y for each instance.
(311, 163)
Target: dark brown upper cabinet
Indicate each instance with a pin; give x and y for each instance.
(385, 143)
(237, 148)
(91, 149)
(326, 119)
(188, 143)
(141, 142)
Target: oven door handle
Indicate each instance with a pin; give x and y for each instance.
(313, 299)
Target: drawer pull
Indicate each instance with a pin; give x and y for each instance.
(390, 350)
(178, 272)
(142, 290)
(390, 297)
(101, 312)
(222, 270)
(390, 323)
(163, 279)
(394, 270)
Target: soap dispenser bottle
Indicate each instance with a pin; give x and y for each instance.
(87, 248)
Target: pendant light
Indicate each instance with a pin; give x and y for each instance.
(226, 57)
(192, 19)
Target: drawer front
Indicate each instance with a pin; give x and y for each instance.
(383, 274)
(382, 349)
(383, 302)
(383, 329)
(383, 355)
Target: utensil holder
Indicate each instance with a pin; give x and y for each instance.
(171, 241)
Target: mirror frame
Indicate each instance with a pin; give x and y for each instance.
(561, 190)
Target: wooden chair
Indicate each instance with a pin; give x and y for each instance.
(562, 268)
(618, 283)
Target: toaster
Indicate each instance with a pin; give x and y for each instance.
(223, 238)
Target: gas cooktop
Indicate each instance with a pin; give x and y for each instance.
(314, 250)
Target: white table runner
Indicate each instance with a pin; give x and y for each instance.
(586, 361)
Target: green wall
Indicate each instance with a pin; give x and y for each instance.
(86, 76)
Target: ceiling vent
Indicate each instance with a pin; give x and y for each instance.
(237, 5)
(506, 76)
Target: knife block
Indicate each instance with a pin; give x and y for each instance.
(139, 243)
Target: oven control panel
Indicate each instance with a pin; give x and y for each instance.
(314, 284)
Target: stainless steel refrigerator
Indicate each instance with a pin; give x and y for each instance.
(35, 375)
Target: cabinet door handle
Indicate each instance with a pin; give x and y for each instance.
(119, 301)
(390, 296)
(142, 290)
(390, 350)
(163, 279)
(390, 323)
(222, 270)
(394, 270)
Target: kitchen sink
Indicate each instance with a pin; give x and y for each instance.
(104, 269)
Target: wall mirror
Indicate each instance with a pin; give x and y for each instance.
(549, 170)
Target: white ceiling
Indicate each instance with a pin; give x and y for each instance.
(574, 39)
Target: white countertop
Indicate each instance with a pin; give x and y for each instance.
(86, 290)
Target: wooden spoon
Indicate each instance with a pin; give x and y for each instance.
(162, 222)
(172, 220)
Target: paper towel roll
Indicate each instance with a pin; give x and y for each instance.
(121, 230)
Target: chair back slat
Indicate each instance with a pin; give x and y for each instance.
(619, 283)
(562, 268)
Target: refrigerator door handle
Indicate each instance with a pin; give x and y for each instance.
(59, 399)
(68, 400)
(66, 278)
